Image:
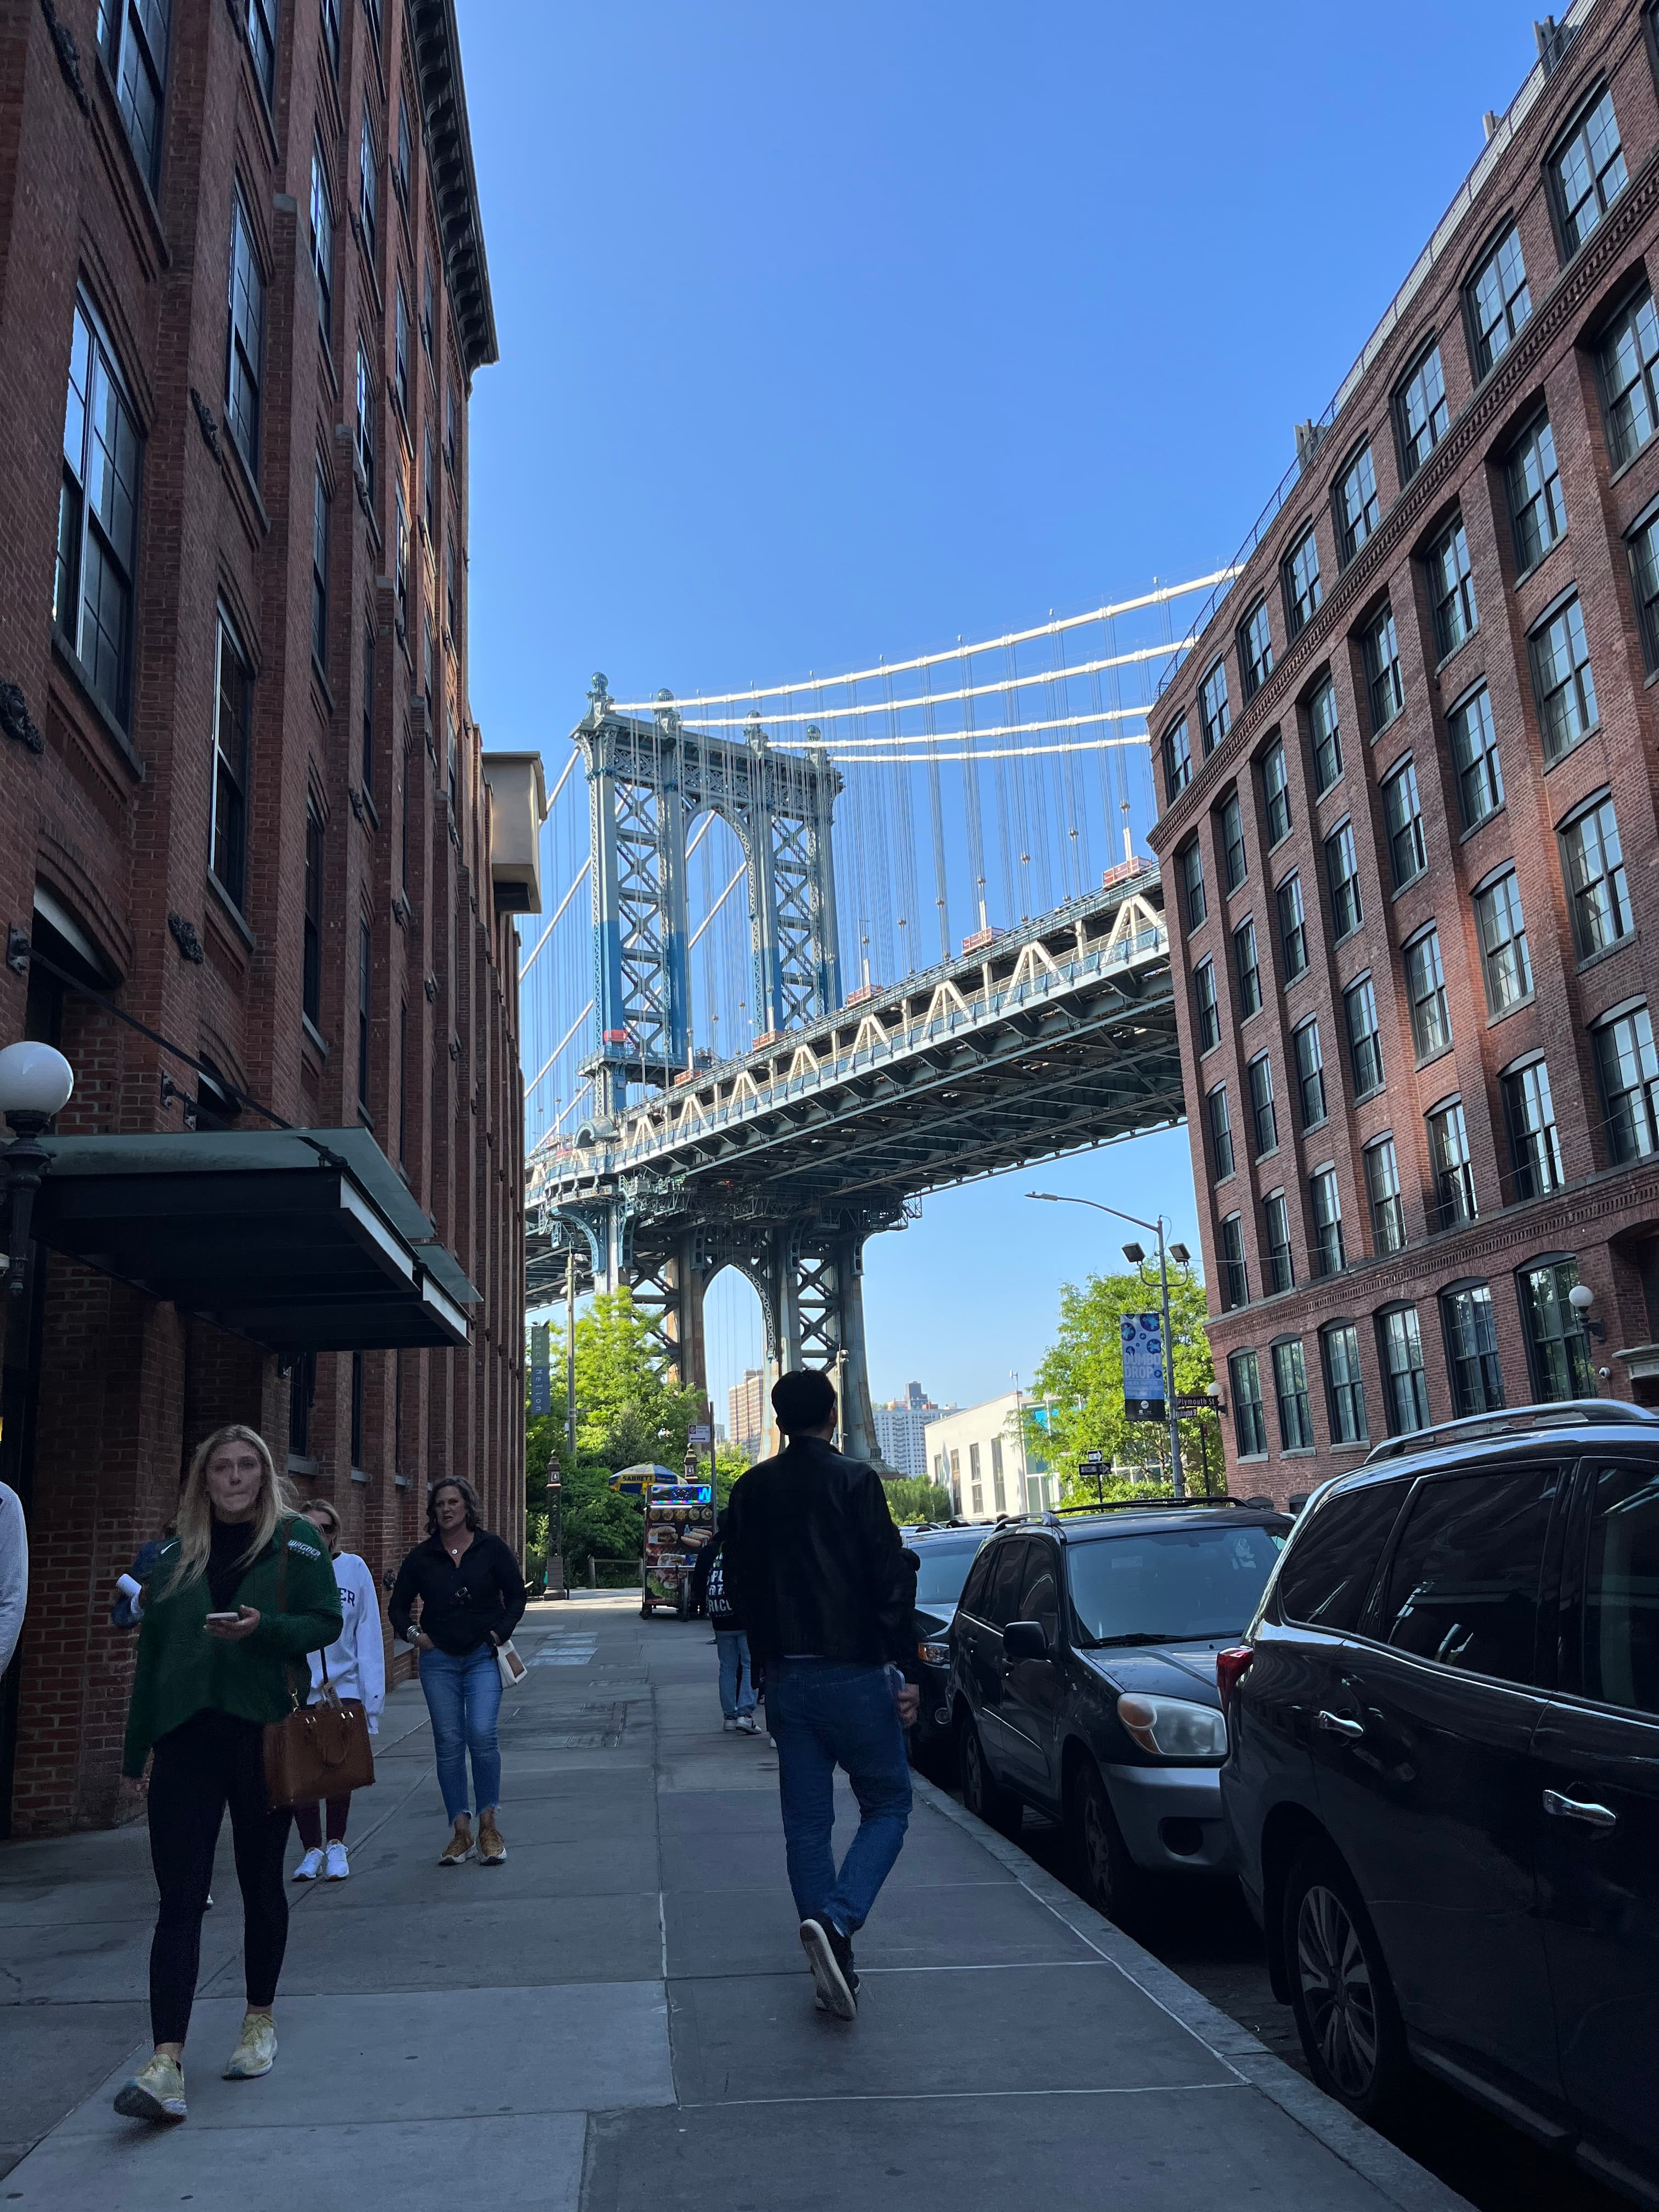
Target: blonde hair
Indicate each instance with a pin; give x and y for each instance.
(195, 1523)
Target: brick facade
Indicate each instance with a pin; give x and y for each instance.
(118, 837)
(1593, 1214)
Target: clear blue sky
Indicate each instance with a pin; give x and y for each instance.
(829, 331)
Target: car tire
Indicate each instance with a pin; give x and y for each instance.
(1109, 1878)
(982, 1793)
(1340, 1992)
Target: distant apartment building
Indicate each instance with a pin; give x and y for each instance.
(746, 1412)
(901, 1431)
(979, 1455)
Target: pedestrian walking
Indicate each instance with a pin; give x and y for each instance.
(711, 1595)
(236, 1600)
(826, 1594)
(356, 1667)
(471, 1597)
(14, 1572)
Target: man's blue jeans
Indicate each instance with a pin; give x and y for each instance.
(737, 1673)
(826, 1714)
(464, 1696)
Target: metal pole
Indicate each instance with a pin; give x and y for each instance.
(1179, 1484)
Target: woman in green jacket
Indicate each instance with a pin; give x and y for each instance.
(234, 1601)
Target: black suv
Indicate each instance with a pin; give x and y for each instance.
(1443, 1780)
(1082, 1679)
(943, 1552)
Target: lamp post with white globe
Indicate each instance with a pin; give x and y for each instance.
(35, 1083)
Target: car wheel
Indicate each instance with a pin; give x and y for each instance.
(1111, 1881)
(982, 1793)
(1340, 1992)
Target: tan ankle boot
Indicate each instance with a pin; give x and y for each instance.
(459, 1849)
(491, 1849)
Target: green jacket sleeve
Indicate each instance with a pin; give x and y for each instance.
(311, 1620)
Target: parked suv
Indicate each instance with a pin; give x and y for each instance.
(1443, 1778)
(1082, 1679)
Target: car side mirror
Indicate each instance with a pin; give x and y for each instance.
(1025, 1639)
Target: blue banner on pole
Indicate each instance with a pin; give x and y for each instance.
(541, 1391)
(1143, 1365)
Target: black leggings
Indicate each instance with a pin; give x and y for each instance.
(211, 1761)
(311, 1828)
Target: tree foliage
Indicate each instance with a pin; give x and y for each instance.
(913, 1498)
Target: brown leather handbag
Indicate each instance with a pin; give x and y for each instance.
(316, 1750)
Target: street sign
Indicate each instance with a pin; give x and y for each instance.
(1191, 1402)
(697, 1434)
(1142, 1336)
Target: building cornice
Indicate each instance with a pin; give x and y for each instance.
(436, 42)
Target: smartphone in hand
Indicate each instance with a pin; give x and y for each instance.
(222, 1619)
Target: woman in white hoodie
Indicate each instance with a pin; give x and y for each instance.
(356, 1667)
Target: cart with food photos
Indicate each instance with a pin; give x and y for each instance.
(680, 1520)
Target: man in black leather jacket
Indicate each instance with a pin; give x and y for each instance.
(827, 1594)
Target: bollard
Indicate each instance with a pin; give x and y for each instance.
(592, 1579)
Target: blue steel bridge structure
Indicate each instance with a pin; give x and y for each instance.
(739, 1053)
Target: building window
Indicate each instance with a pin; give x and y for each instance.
(1383, 689)
(452, 584)
(427, 309)
(262, 44)
(301, 1389)
(1327, 736)
(1300, 578)
(365, 984)
(1498, 301)
(429, 502)
(1475, 754)
(1404, 1380)
(1232, 842)
(232, 718)
(975, 1481)
(1293, 927)
(1588, 174)
(451, 428)
(428, 659)
(1358, 507)
(1505, 958)
(1451, 588)
(1330, 1255)
(1247, 967)
(1291, 1389)
(1215, 707)
(1235, 1289)
(1448, 1165)
(98, 519)
(1189, 867)
(1477, 1375)
(1207, 1019)
(133, 37)
(1309, 1074)
(358, 1372)
(1594, 864)
(452, 750)
(1628, 1069)
(1402, 812)
(1345, 1388)
(372, 12)
(1630, 385)
(322, 246)
(1425, 987)
(319, 520)
(1538, 510)
(1561, 677)
(1534, 1143)
(1221, 1133)
(330, 10)
(367, 189)
(1557, 1341)
(365, 441)
(1264, 1115)
(1255, 650)
(369, 709)
(400, 350)
(400, 571)
(1421, 414)
(311, 959)
(1342, 875)
(245, 354)
(1365, 1045)
(1177, 752)
(405, 149)
(1276, 792)
(1382, 1196)
(1249, 1424)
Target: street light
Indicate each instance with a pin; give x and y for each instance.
(1135, 1253)
(35, 1083)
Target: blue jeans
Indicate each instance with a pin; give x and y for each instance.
(464, 1695)
(825, 1714)
(737, 1674)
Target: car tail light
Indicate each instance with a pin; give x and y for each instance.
(1230, 1667)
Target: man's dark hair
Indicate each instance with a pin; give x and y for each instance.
(805, 1398)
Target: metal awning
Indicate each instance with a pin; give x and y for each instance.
(302, 1240)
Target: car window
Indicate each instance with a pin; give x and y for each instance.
(1000, 1608)
(944, 1570)
(1039, 1597)
(1464, 1583)
(1620, 1663)
(1333, 1555)
(973, 1599)
(1170, 1585)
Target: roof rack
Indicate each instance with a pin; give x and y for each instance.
(1050, 1516)
(1475, 1428)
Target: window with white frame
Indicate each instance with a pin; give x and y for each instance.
(96, 568)
(1290, 1389)
(1404, 1380)
(1344, 1386)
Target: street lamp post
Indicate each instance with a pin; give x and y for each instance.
(35, 1083)
(1134, 1253)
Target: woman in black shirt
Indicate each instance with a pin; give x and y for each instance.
(471, 1598)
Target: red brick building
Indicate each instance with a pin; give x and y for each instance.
(1409, 814)
(243, 295)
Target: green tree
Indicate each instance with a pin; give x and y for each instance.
(912, 1498)
(627, 1410)
(1076, 1405)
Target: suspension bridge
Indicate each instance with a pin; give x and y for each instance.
(708, 1091)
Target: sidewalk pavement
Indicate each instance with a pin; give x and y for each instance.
(621, 2015)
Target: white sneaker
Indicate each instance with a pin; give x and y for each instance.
(745, 1724)
(336, 1866)
(309, 1867)
(728, 1726)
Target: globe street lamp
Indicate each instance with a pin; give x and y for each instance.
(35, 1083)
